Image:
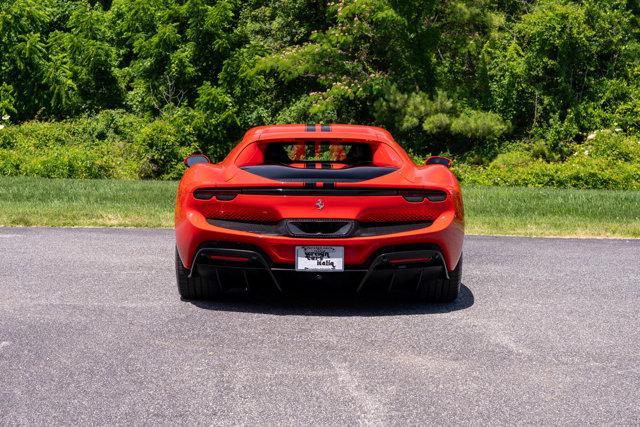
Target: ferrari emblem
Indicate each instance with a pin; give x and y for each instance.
(319, 204)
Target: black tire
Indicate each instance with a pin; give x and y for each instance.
(195, 287)
(442, 290)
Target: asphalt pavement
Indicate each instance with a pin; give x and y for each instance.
(92, 332)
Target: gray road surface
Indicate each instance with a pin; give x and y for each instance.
(92, 331)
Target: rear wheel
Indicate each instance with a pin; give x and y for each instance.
(195, 287)
(442, 290)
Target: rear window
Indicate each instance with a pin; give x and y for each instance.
(309, 151)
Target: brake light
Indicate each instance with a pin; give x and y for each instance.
(229, 258)
(413, 197)
(208, 194)
(437, 196)
(417, 196)
(410, 260)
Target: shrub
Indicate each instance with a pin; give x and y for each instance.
(606, 161)
(161, 151)
(112, 144)
(89, 147)
(611, 145)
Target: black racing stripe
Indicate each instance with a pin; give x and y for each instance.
(309, 185)
(328, 185)
(326, 165)
(325, 128)
(310, 128)
(310, 165)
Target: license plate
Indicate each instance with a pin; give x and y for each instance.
(319, 258)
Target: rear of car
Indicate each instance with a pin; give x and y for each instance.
(339, 207)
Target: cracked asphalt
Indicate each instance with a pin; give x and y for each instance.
(92, 331)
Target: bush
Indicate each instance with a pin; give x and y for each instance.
(596, 173)
(111, 144)
(606, 161)
(611, 145)
(115, 144)
(89, 147)
(160, 151)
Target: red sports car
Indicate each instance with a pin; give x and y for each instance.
(294, 206)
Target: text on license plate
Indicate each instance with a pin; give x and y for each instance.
(319, 258)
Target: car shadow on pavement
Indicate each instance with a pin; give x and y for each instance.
(330, 304)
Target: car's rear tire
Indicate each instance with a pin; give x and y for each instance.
(442, 290)
(195, 287)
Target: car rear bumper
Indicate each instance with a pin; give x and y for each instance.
(248, 269)
(445, 234)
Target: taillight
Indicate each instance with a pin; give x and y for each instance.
(436, 196)
(417, 196)
(410, 260)
(229, 258)
(208, 193)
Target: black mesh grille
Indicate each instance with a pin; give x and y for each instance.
(268, 228)
(379, 228)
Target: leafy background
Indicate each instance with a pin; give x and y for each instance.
(518, 92)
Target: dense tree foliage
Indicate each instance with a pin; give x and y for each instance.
(467, 77)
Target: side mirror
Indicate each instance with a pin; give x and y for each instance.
(438, 160)
(194, 159)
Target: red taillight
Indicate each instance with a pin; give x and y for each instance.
(436, 196)
(208, 193)
(203, 194)
(228, 258)
(417, 196)
(409, 260)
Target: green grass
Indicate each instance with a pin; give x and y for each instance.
(552, 212)
(86, 203)
(513, 211)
